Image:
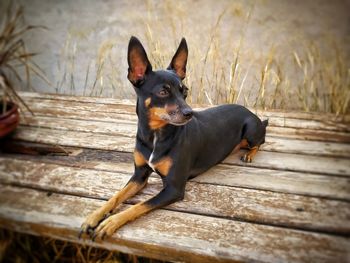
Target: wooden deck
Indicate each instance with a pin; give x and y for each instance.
(292, 204)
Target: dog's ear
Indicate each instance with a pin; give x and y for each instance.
(179, 61)
(139, 65)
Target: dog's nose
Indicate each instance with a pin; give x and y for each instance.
(187, 112)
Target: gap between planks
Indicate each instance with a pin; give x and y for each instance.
(128, 129)
(128, 132)
(332, 187)
(263, 207)
(264, 159)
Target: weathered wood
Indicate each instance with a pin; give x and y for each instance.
(316, 185)
(307, 124)
(309, 134)
(278, 181)
(167, 234)
(65, 97)
(318, 116)
(101, 100)
(284, 145)
(128, 129)
(73, 138)
(120, 128)
(228, 202)
(299, 181)
(89, 111)
(295, 162)
(275, 160)
(68, 111)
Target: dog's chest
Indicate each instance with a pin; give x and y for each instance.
(150, 161)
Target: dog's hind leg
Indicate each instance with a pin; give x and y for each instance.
(254, 136)
(248, 157)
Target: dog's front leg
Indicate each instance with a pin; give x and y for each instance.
(167, 196)
(135, 184)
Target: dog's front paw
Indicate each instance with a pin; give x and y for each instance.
(91, 222)
(246, 158)
(108, 227)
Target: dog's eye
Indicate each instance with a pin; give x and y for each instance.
(163, 93)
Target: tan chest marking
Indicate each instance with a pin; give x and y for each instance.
(163, 166)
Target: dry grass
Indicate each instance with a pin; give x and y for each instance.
(18, 248)
(220, 70)
(14, 55)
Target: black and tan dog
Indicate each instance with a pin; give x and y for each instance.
(172, 140)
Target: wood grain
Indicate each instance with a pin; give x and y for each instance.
(90, 111)
(99, 100)
(128, 129)
(292, 204)
(317, 185)
(276, 160)
(167, 234)
(228, 202)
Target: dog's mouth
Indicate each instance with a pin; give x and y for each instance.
(180, 123)
(176, 119)
(159, 117)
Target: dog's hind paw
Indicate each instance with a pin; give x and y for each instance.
(246, 158)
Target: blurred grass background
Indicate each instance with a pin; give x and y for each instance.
(291, 55)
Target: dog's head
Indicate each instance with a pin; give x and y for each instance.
(160, 93)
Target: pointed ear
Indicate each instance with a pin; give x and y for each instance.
(139, 64)
(179, 61)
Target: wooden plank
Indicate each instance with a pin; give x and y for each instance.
(332, 187)
(125, 131)
(67, 111)
(309, 134)
(284, 145)
(122, 128)
(307, 124)
(318, 116)
(295, 162)
(81, 110)
(28, 95)
(128, 129)
(101, 100)
(275, 160)
(169, 235)
(278, 181)
(72, 138)
(266, 207)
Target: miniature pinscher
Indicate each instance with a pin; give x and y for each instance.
(173, 140)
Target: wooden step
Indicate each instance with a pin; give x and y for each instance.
(263, 207)
(168, 235)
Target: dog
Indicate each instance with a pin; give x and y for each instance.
(173, 140)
